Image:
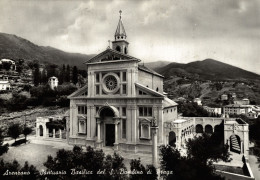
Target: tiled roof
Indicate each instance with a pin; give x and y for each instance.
(168, 103)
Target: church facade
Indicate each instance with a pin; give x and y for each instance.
(121, 100)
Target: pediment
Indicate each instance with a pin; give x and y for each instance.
(80, 92)
(110, 55)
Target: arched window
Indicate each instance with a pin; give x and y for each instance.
(157, 89)
(125, 50)
(172, 139)
(118, 48)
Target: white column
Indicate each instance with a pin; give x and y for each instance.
(53, 133)
(98, 131)
(37, 132)
(60, 133)
(154, 147)
(98, 142)
(116, 133)
(242, 147)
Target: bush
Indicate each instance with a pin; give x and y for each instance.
(19, 142)
(14, 131)
(142, 173)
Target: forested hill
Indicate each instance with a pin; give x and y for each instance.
(207, 69)
(14, 47)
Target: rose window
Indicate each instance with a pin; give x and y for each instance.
(111, 82)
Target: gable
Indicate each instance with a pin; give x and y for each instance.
(110, 55)
(80, 92)
(141, 90)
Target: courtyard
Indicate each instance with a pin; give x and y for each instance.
(37, 150)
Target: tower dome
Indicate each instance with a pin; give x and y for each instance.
(120, 44)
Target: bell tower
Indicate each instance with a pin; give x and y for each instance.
(120, 44)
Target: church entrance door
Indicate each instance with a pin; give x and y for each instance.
(110, 134)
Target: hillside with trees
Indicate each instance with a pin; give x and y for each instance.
(16, 48)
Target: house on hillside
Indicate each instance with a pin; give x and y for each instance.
(4, 85)
(244, 101)
(232, 109)
(224, 97)
(53, 82)
(198, 101)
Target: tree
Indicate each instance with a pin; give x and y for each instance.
(140, 172)
(14, 131)
(192, 110)
(62, 74)
(75, 75)
(92, 161)
(3, 148)
(51, 70)
(67, 73)
(184, 168)
(36, 76)
(27, 131)
(44, 78)
(207, 149)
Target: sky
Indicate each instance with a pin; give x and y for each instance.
(171, 30)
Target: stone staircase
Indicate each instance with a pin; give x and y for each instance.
(235, 144)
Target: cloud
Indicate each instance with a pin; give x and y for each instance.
(183, 31)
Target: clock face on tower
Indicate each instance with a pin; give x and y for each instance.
(110, 83)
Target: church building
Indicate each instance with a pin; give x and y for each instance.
(120, 102)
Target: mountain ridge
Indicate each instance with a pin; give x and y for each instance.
(208, 69)
(15, 47)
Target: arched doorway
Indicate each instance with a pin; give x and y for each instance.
(172, 139)
(208, 129)
(235, 143)
(41, 130)
(107, 114)
(199, 128)
(217, 128)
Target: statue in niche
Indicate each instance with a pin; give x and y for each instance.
(154, 122)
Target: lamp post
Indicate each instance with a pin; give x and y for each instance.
(154, 129)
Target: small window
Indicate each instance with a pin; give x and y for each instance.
(123, 111)
(82, 126)
(97, 77)
(124, 76)
(145, 111)
(118, 48)
(123, 128)
(97, 89)
(82, 109)
(150, 113)
(124, 89)
(141, 112)
(157, 89)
